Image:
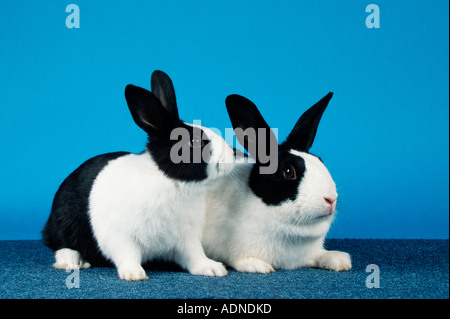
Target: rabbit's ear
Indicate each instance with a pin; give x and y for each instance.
(250, 128)
(162, 88)
(147, 111)
(302, 135)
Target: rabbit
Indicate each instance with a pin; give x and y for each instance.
(124, 209)
(257, 222)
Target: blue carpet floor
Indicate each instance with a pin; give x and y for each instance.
(407, 269)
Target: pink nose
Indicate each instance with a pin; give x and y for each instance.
(329, 200)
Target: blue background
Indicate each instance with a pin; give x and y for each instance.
(384, 136)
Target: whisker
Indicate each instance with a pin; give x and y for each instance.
(235, 181)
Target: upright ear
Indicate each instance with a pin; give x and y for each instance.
(250, 128)
(302, 135)
(162, 88)
(147, 111)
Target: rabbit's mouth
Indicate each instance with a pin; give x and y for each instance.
(329, 214)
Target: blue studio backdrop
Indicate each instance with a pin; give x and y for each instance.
(384, 136)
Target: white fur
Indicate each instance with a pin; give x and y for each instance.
(69, 259)
(138, 214)
(244, 232)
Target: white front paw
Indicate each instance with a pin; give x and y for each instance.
(253, 265)
(132, 273)
(69, 259)
(209, 268)
(334, 260)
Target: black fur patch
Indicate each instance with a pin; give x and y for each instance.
(274, 189)
(195, 169)
(68, 225)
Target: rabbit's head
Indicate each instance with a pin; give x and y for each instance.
(295, 184)
(182, 151)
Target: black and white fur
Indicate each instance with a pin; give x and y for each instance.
(126, 209)
(260, 222)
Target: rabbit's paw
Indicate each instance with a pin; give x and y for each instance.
(253, 265)
(69, 259)
(209, 268)
(132, 273)
(333, 260)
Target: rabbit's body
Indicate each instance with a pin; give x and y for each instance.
(160, 230)
(69, 223)
(246, 227)
(127, 208)
(259, 222)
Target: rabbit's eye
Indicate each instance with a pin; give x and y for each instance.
(290, 173)
(197, 142)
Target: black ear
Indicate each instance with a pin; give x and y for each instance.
(147, 111)
(162, 87)
(245, 115)
(302, 135)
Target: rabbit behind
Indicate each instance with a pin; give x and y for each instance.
(126, 209)
(258, 222)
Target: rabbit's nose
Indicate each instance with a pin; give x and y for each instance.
(330, 200)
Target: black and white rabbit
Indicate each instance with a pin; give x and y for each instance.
(258, 222)
(126, 209)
